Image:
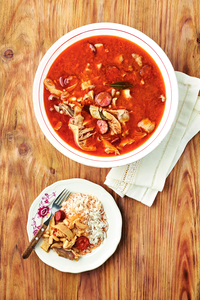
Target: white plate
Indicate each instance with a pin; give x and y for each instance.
(39, 209)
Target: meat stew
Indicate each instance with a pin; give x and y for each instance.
(104, 96)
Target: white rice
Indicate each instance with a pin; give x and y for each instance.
(92, 213)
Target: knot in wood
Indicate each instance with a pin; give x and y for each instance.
(52, 170)
(8, 53)
(23, 149)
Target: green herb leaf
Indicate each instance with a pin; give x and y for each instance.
(121, 85)
(102, 116)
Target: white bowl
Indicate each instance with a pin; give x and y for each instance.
(144, 42)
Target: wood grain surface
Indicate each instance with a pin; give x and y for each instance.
(159, 254)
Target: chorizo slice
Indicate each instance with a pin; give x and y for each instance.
(60, 215)
(92, 48)
(102, 126)
(103, 99)
(146, 72)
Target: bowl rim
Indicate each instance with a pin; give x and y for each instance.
(155, 51)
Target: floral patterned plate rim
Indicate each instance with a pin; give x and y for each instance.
(41, 208)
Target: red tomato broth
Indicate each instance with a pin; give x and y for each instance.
(145, 98)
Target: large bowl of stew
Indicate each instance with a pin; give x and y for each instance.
(105, 95)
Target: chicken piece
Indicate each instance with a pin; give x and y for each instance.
(89, 95)
(59, 234)
(127, 94)
(87, 85)
(85, 133)
(69, 244)
(57, 239)
(109, 148)
(64, 96)
(122, 114)
(69, 254)
(51, 87)
(78, 232)
(66, 231)
(146, 125)
(77, 121)
(98, 45)
(114, 124)
(126, 141)
(138, 59)
(83, 144)
(77, 110)
(139, 135)
(57, 245)
(81, 134)
(81, 225)
(163, 98)
(99, 66)
(64, 108)
(72, 221)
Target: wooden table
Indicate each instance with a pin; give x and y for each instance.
(159, 253)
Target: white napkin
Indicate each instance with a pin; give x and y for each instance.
(143, 179)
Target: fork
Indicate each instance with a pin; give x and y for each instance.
(55, 207)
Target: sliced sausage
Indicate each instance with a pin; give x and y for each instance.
(60, 215)
(146, 71)
(102, 126)
(103, 99)
(69, 83)
(93, 48)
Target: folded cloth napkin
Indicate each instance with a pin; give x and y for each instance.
(143, 179)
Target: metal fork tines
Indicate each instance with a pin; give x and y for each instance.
(63, 195)
(58, 201)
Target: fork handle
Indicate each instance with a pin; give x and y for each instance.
(34, 241)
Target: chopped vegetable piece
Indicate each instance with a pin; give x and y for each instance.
(147, 125)
(45, 245)
(58, 125)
